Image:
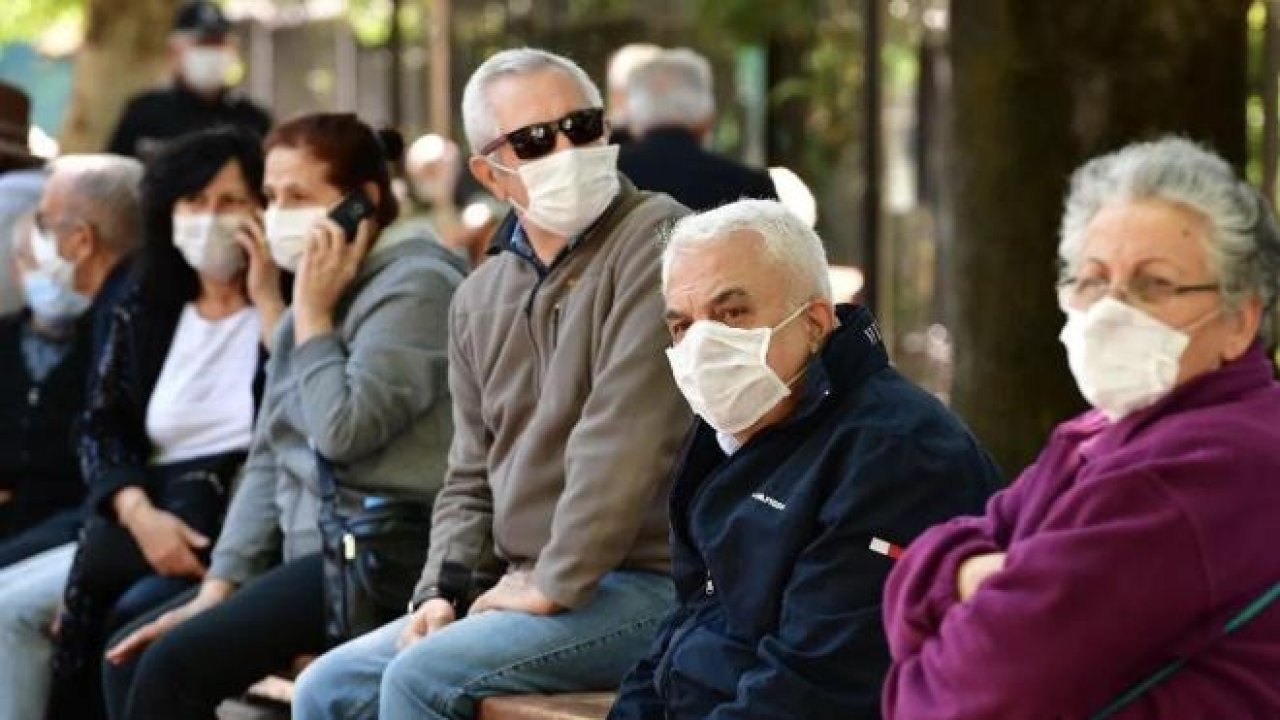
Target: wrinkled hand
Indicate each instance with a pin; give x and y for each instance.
(975, 571)
(431, 617)
(168, 543)
(211, 593)
(326, 268)
(516, 592)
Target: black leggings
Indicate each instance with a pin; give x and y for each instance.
(258, 630)
(110, 571)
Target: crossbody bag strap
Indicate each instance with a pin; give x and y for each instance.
(1237, 621)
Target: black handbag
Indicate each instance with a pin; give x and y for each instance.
(372, 559)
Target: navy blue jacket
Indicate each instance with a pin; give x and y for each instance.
(669, 160)
(779, 591)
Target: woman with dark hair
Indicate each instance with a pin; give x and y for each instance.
(168, 423)
(357, 377)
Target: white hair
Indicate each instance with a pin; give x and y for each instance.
(478, 116)
(628, 58)
(1244, 243)
(103, 191)
(674, 88)
(785, 243)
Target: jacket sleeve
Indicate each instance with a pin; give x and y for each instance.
(250, 540)
(124, 139)
(1087, 586)
(828, 650)
(922, 587)
(620, 452)
(356, 398)
(462, 520)
(113, 448)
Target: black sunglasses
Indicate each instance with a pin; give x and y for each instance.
(537, 140)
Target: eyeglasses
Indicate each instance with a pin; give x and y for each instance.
(539, 139)
(1081, 293)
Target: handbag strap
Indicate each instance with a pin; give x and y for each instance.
(1237, 621)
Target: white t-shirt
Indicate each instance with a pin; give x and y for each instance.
(202, 404)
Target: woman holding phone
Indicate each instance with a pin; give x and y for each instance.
(357, 375)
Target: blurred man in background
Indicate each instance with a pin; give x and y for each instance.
(203, 54)
(459, 215)
(671, 108)
(72, 268)
(621, 63)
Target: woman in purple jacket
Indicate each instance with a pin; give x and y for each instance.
(1148, 522)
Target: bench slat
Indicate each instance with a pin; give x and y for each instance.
(574, 706)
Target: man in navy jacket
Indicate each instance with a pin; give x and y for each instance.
(813, 464)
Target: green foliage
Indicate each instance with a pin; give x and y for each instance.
(751, 21)
(26, 20)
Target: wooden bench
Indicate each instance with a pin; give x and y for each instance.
(270, 698)
(577, 706)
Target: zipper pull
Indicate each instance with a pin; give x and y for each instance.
(349, 546)
(710, 587)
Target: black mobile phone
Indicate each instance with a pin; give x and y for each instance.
(348, 214)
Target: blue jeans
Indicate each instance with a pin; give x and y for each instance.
(29, 595)
(445, 675)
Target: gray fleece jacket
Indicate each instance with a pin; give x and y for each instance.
(567, 420)
(372, 396)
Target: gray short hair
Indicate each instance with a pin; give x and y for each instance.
(625, 59)
(1244, 243)
(478, 117)
(674, 88)
(786, 240)
(103, 191)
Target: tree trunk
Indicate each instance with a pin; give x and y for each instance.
(124, 52)
(1040, 86)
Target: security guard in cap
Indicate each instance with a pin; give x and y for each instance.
(199, 97)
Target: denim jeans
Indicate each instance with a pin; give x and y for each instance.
(495, 653)
(29, 595)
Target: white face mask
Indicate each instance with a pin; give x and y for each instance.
(570, 189)
(723, 373)
(207, 242)
(51, 302)
(45, 249)
(287, 233)
(205, 68)
(1123, 359)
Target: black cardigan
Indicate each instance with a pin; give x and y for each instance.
(114, 447)
(37, 458)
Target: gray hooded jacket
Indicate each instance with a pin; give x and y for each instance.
(372, 397)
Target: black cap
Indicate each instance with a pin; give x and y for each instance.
(203, 19)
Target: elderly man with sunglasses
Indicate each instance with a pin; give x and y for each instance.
(549, 564)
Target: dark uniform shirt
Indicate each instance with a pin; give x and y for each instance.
(159, 115)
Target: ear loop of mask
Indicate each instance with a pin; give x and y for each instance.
(510, 171)
(804, 368)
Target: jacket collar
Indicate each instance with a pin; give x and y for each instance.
(670, 135)
(1250, 372)
(853, 352)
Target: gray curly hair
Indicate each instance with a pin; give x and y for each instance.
(1244, 247)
